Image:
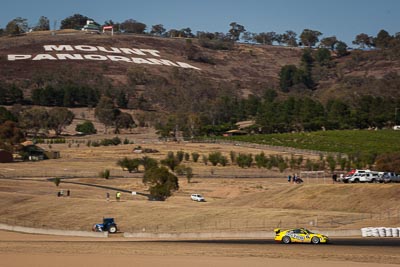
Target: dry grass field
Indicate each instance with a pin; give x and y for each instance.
(237, 199)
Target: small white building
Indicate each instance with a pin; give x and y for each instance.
(91, 27)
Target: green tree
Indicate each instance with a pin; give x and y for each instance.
(10, 94)
(59, 118)
(383, 39)
(307, 62)
(290, 38)
(10, 135)
(329, 42)
(133, 26)
(43, 24)
(171, 161)
(131, 165)
(76, 21)
(286, 77)
(106, 112)
(34, 119)
(157, 29)
(364, 40)
(341, 49)
(6, 115)
(124, 120)
(12, 28)
(122, 100)
(236, 30)
(323, 56)
(266, 38)
(161, 182)
(17, 26)
(149, 163)
(310, 37)
(86, 128)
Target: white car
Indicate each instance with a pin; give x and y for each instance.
(369, 177)
(197, 197)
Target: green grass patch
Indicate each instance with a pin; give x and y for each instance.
(345, 141)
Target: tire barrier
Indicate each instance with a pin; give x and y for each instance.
(380, 232)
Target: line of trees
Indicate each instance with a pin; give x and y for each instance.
(274, 115)
(236, 32)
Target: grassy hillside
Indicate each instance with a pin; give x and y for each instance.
(349, 141)
(243, 70)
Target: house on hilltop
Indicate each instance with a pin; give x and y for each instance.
(91, 27)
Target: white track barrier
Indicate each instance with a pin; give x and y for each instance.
(380, 232)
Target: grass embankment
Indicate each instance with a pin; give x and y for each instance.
(345, 141)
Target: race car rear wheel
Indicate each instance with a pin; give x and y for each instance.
(286, 240)
(315, 240)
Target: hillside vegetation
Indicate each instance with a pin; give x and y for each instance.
(182, 86)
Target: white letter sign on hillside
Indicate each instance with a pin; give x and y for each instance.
(101, 53)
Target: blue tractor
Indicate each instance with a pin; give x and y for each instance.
(108, 225)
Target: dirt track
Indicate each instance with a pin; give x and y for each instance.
(38, 250)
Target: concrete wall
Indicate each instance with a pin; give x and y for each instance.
(51, 231)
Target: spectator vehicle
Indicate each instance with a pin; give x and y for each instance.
(197, 197)
(299, 235)
(108, 225)
(364, 177)
(390, 177)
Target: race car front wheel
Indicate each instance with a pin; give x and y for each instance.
(315, 240)
(286, 240)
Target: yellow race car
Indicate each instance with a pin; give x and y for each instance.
(299, 235)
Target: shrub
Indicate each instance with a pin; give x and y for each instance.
(187, 156)
(105, 174)
(205, 160)
(195, 156)
(244, 160)
(261, 160)
(232, 154)
(180, 154)
(215, 158)
(223, 160)
(57, 181)
(189, 174)
(86, 128)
